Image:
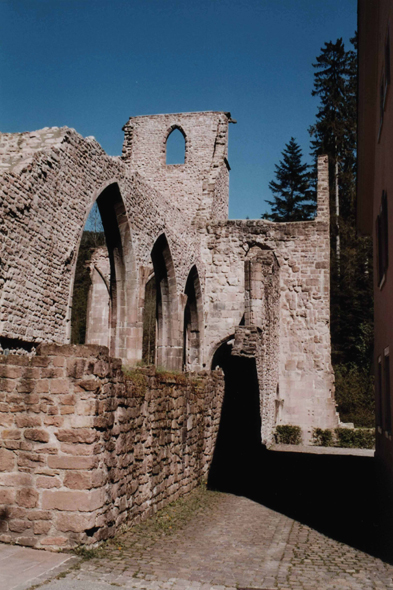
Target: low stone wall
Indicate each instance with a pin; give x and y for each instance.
(85, 447)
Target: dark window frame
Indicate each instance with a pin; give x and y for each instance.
(382, 235)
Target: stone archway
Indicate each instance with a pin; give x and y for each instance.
(168, 349)
(122, 341)
(193, 322)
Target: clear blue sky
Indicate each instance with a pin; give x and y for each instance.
(91, 64)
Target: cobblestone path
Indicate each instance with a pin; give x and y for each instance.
(229, 542)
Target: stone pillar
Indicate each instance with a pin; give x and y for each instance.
(323, 189)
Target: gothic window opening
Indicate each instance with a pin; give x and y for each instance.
(149, 323)
(175, 147)
(192, 323)
(168, 347)
(101, 305)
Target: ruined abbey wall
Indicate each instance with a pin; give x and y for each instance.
(85, 448)
(264, 285)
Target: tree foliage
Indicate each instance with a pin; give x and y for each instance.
(334, 134)
(293, 198)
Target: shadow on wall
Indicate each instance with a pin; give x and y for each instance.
(343, 497)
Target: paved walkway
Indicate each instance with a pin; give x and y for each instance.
(221, 541)
(20, 567)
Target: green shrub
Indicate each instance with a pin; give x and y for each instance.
(355, 394)
(287, 434)
(322, 438)
(360, 438)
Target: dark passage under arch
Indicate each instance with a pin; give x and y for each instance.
(238, 445)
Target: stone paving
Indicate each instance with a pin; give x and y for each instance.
(226, 541)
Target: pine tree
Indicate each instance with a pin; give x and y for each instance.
(293, 198)
(334, 133)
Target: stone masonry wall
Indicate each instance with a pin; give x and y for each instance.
(85, 448)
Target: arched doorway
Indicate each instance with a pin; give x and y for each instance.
(117, 271)
(238, 444)
(193, 317)
(168, 342)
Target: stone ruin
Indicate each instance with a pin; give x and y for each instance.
(83, 446)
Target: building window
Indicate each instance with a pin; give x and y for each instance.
(175, 147)
(385, 81)
(379, 408)
(382, 240)
(387, 406)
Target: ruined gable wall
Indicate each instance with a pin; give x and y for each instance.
(302, 250)
(190, 185)
(46, 194)
(84, 448)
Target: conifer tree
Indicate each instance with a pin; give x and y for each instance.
(334, 133)
(293, 198)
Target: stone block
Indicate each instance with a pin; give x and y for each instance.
(75, 523)
(27, 497)
(77, 435)
(74, 501)
(7, 496)
(7, 460)
(69, 462)
(47, 482)
(36, 434)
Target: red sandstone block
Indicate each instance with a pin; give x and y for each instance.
(79, 449)
(7, 385)
(20, 361)
(12, 434)
(33, 398)
(47, 482)
(54, 541)
(10, 372)
(67, 400)
(15, 479)
(24, 421)
(77, 435)
(7, 496)
(38, 361)
(75, 523)
(26, 386)
(36, 434)
(59, 386)
(59, 361)
(53, 411)
(76, 368)
(67, 462)
(53, 421)
(42, 386)
(31, 373)
(82, 480)
(27, 497)
(42, 527)
(30, 460)
(52, 373)
(39, 515)
(7, 460)
(88, 385)
(18, 526)
(73, 501)
(66, 410)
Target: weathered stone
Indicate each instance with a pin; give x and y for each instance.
(36, 434)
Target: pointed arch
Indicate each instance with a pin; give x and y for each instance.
(193, 322)
(175, 146)
(168, 349)
(122, 276)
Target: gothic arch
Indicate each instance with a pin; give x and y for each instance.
(184, 146)
(122, 276)
(168, 349)
(193, 322)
